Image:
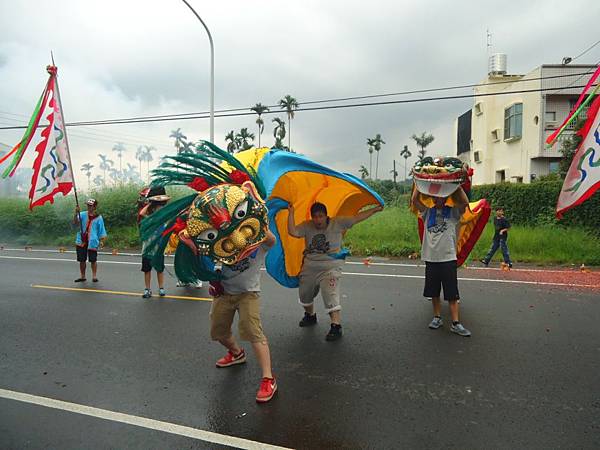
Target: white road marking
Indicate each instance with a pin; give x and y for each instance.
(72, 260)
(151, 424)
(41, 250)
(355, 263)
(485, 280)
(383, 275)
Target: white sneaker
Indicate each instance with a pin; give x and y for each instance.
(182, 284)
(197, 284)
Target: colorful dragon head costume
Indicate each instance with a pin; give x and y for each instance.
(223, 223)
(441, 177)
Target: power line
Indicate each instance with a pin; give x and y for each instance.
(361, 97)
(320, 108)
(129, 139)
(586, 50)
(570, 85)
(94, 137)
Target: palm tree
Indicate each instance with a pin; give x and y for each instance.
(87, 169)
(376, 142)
(370, 148)
(290, 104)
(139, 155)
(98, 181)
(423, 141)
(180, 139)
(364, 173)
(279, 133)
(187, 147)
(243, 137)
(405, 153)
(130, 174)
(148, 158)
(260, 109)
(232, 146)
(114, 175)
(105, 164)
(120, 149)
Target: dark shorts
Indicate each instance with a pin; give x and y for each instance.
(438, 275)
(147, 265)
(83, 254)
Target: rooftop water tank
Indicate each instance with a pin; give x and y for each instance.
(497, 64)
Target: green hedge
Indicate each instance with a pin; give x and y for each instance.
(534, 204)
(53, 223)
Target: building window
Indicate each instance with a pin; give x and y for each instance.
(554, 166)
(478, 109)
(500, 176)
(550, 116)
(513, 122)
(477, 156)
(582, 115)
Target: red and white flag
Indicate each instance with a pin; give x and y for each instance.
(583, 176)
(52, 171)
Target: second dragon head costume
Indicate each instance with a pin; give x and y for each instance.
(223, 222)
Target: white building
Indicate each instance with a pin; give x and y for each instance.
(503, 136)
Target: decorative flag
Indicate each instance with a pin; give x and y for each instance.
(583, 176)
(579, 106)
(52, 171)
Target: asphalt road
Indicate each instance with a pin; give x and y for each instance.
(527, 378)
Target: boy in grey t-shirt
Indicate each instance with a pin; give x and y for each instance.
(240, 291)
(439, 253)
(323, 260)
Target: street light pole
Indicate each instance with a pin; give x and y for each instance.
(212, 75)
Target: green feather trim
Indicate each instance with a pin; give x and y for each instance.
(188, 267)
(207, 163)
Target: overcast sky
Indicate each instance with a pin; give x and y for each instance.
(144, 57)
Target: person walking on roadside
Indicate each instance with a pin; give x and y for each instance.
(93, 237)
(501, 226)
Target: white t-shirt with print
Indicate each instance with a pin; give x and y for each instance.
(440, 240)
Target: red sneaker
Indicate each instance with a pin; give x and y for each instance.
(230, 359)
(268, 387)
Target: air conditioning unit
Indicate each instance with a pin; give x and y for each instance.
(477, 156)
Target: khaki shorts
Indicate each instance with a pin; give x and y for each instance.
(223, 311)
(313, 280)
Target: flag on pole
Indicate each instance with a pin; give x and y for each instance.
(578, 108)
(583, 176)
(52, 171)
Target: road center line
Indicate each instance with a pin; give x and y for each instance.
(151, 424)
(103, 291)
(384, 275)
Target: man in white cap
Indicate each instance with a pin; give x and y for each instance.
(94, 235)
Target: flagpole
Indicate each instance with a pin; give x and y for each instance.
(53, 71)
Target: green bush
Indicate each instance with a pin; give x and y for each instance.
(535, 237)
(534, 204)
(388, 190)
